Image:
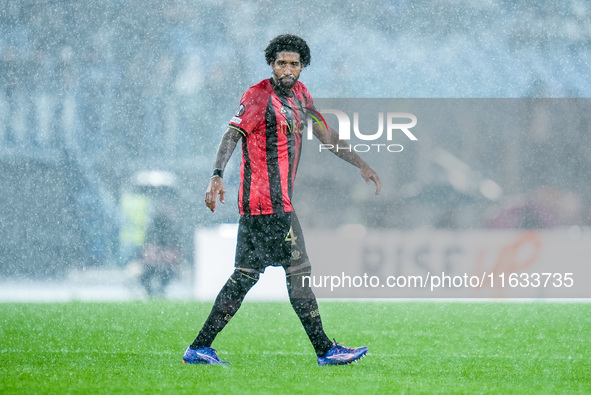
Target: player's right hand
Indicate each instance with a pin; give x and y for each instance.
(215, 188)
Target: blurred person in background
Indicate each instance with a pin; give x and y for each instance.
(160, 255)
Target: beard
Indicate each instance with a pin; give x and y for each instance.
(285, 84)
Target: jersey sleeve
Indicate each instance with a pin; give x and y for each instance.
(251, 112)
(308, 102)
(308, 107)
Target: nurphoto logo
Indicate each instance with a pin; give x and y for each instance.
(396, 122)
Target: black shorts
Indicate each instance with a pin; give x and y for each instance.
(270, 240)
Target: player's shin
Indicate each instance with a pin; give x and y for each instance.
(225, 306)
(304, 303)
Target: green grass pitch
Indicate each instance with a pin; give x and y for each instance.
(415, 347)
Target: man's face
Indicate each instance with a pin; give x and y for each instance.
(286, 69)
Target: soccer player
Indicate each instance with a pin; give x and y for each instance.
(269, 124)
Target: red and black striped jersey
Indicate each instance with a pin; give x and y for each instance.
(272, 127)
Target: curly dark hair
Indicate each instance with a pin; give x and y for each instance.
(288, 43)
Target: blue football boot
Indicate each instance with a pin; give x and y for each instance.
(341, 355)
(203, 355)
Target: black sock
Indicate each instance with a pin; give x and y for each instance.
(304, 303)
(225, 306)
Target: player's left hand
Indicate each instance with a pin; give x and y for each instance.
(370, 175)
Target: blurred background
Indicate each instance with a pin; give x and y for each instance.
(111, 111)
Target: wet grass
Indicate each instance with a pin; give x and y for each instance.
(427, 347)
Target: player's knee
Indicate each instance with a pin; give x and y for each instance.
(245, 279)
(298, 287)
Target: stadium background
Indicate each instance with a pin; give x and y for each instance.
(94, 93)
